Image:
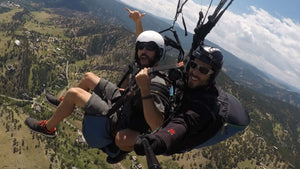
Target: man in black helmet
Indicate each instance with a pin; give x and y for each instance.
(197, 118)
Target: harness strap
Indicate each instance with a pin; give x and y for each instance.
(165, 67)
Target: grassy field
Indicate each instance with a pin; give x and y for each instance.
(7, 16)
(29, 152)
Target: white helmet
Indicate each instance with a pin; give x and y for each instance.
(152, 36)
(148, 36)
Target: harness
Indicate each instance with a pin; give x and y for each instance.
(233, 115)
(132, 89)
(228, 118)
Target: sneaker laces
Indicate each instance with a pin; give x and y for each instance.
(43, 125)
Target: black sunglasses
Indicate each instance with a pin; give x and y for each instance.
(151, 46)
(202, 69)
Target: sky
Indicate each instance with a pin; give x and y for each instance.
(264, 33)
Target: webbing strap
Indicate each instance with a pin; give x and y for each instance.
(128, 92)
(165, 67)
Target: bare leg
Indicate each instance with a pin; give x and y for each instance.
(74, 96)
(125, 139)
(89, 81)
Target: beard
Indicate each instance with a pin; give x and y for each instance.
(196, 82)
(146, 61)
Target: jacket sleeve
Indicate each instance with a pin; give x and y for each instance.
(173, 133)
(184, 131)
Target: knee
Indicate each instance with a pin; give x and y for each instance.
(73, 93)
(119, 140)
(89, 81)
(123, 139)
(88, 76)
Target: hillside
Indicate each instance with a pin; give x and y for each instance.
(58, 45)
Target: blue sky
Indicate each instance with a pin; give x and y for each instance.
(264, 33)
(278, 8)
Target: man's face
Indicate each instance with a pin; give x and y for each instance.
(146, 53)
(196, 78)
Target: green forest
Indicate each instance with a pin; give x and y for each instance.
(49, 49)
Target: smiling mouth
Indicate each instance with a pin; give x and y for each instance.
(194, 78)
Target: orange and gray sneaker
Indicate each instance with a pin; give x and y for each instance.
(40, 127)
(53, 100)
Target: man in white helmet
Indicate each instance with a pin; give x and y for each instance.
(142, 113)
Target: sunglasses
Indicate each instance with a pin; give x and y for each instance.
(202, 69)
(151, 46)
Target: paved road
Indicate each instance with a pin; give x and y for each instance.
(16, 99)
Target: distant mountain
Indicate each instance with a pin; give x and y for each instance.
(61, 43)
(249, 76)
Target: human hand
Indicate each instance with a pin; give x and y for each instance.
(135, 15)
(143, 81)
(156, 143)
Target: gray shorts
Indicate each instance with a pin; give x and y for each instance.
(100, 101)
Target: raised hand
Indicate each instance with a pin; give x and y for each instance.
(135, 15)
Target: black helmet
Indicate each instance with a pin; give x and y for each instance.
(211, 56)
(151, 36)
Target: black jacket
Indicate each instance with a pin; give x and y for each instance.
(196, 121)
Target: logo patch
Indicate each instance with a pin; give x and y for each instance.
(171, 131)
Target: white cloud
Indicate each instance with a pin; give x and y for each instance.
(269, 43)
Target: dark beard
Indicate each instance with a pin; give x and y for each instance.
(151, 61)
